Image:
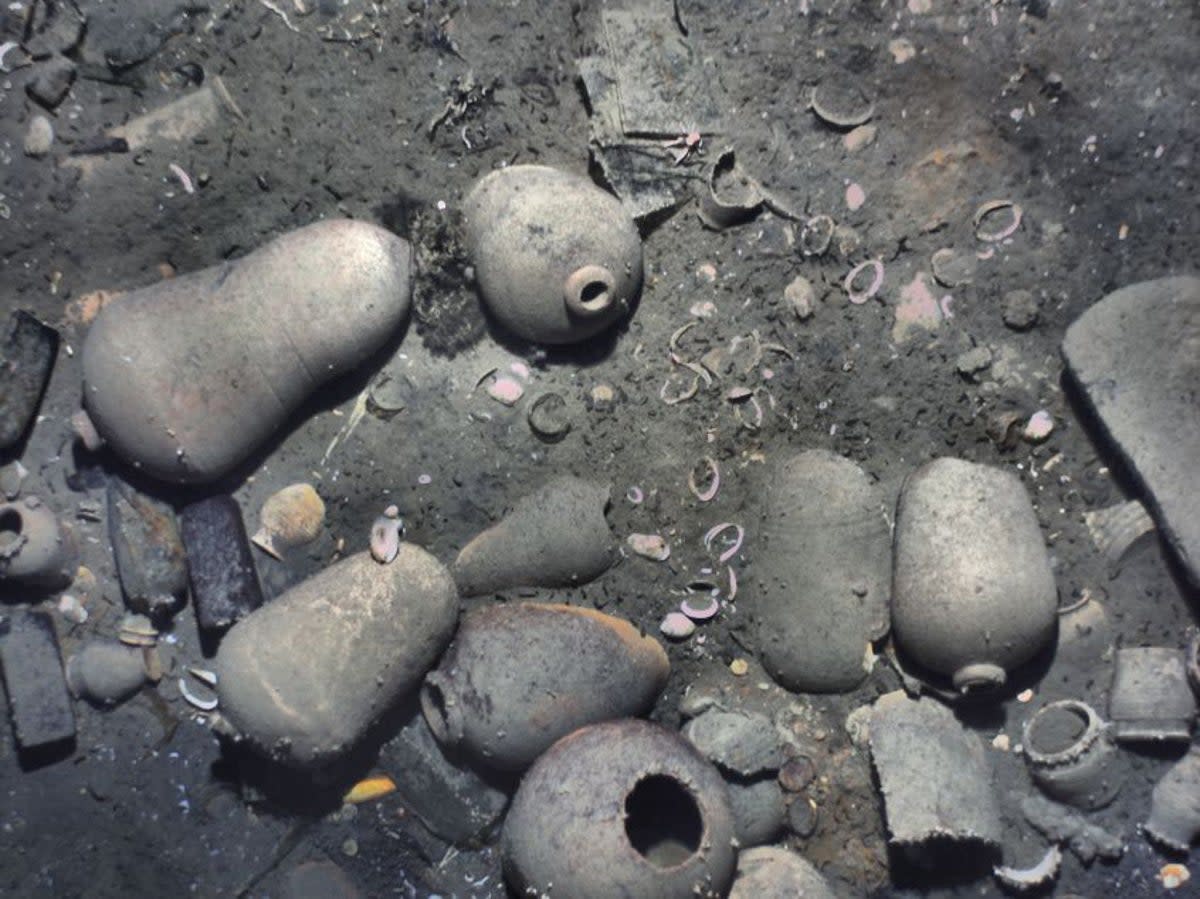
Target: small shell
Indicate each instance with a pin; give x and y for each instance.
(199, 702)
(505, 390)
(677, 626)
(987, 212)
(385, 538)
(650, 546)
(292, 517)
(698, 612)
(1039, 875)
(712, 477)
(860, 296)
(739, 533)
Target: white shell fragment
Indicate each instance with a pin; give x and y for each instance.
(990, 224)
(1039, 875)
(291, 517)
(649, 546)
(385, 537)
(855, 292)
(677, 626)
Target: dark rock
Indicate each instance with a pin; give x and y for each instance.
(38, 701)
(124, 34)
(51, 81)
(1136, 357)
(1019, 309)
(759, 810)
(742, 743)
(55, 26)
(319, 880)
(220, 564)
(802, 817)
(147, 548)
(449, 797)
(26, 357)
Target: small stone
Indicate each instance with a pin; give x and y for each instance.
(801, 297)
(72, 609)
(860, 138)
(739, 667)
(12, 476)
(1019, 309)
(1174, 875)
(1039, 426)
(1001, 742)
(51, 81)
(972, 362)
(802, 816)
(603, 397)
(677, 626)
(39, 137)
(902, 50)
(797, 774)
(952, 268)
(846, 241)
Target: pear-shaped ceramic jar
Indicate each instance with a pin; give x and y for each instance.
(556, 258)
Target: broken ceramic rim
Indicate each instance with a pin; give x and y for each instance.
(999, 234)
(588, 291)
(441, 712)
(1092, 732)
(720, 207)
(858, 297)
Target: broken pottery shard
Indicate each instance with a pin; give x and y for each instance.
(220, 565)
(26, 357)
(33, 678)
(1151, 698)
(556, 536)
(742, 743)
(662, 83)
(439, 788)
(1135, 355)
(1058, 823)
(822, 574)
(1116, 529)
(935, 778)
(973, 592)
(147, 549)
(1175, 804)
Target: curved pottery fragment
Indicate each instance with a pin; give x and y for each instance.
(520, 676)
(1151, 698)
(770, 872)
(620, 809)
(557, 259)
(556, 536)
(973, 593)
(1135, 355)
(1175, 804)
(303, 677)
(822, 573)
(187, 377)
(935, 777)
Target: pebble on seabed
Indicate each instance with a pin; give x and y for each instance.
(40, 137)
